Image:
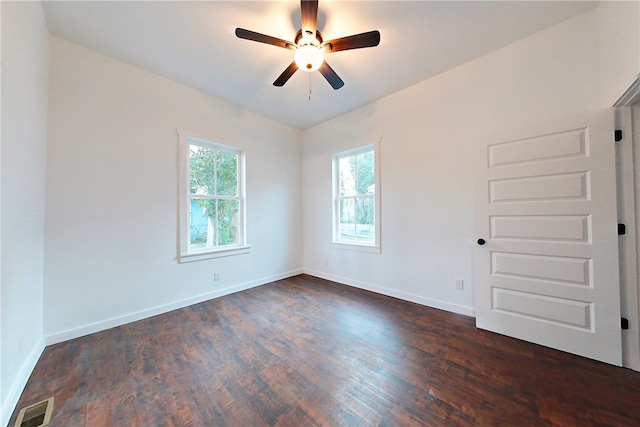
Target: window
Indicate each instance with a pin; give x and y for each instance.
(356, 202)
(211, 200)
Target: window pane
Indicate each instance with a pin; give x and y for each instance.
(227, 173)
(365, 173)
(347, 175)
(202, 221)
(355, 189)
(201, 167)
(228, 222)
(365, 230)
(347, 220)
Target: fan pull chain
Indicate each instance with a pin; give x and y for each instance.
(309, 74)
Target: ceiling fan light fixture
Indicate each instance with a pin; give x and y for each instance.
(309, 57)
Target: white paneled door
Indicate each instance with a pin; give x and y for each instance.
(546, 250)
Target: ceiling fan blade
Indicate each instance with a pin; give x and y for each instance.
(286, 74)
(356, 41)
(263, 38)
(331, 76)
(309, 14)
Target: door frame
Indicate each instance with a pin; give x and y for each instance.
(627, 119)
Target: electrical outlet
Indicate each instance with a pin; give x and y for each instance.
(216, 276)
(459, 284)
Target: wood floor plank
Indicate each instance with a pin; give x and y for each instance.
(309, 352)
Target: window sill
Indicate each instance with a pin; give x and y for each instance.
(200, 256)
(356, 247)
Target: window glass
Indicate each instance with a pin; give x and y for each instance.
(201, 170)
(227, 173)
(212, 204)
(355, 202)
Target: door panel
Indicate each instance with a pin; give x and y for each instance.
(559, 228)
(546, 206)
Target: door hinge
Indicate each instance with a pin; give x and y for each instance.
(617, 135)
(622, 229)
(624, 323)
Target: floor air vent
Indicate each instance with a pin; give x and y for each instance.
(36, 415)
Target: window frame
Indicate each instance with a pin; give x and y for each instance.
(185, 253)
(374, 246)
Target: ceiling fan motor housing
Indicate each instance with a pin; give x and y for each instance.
(318, 39)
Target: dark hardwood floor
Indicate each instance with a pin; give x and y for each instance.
(308, 352)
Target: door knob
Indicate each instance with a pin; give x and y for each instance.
(481, 242)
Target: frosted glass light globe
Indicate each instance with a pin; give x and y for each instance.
(308, 57)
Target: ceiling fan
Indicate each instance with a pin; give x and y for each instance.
(309, 47)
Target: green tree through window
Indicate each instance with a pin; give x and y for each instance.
(215, 196)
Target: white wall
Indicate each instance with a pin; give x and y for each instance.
(2, 399)
(25, 65)
(428, 133)
(618, 47)
(111, 221)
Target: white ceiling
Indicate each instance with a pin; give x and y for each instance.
(194, 43)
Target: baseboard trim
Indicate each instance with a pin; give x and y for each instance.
(429, 302)
(20, 382)
(154, 311)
